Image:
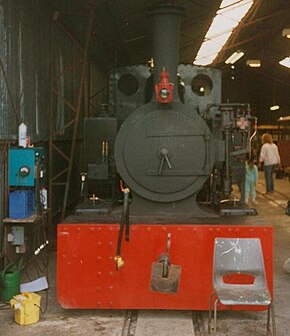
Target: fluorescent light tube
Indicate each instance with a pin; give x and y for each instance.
(234, 57)
(253, 63)
(274, 107)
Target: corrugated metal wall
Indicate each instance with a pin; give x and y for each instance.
(30, 40)
(31, 43)
(26, 44)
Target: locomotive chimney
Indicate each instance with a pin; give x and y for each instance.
(166, 30)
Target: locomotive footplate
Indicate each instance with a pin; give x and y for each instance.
(87, 277)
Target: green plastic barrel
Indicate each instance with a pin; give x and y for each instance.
(10, 282)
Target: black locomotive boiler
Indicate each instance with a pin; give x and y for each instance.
(176, 151)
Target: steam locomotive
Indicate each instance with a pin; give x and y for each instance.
(157, 190)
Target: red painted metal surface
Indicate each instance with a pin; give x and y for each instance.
(87, 276)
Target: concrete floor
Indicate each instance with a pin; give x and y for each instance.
(58, 321)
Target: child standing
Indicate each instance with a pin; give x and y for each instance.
(251, 181)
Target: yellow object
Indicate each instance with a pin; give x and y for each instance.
(27, 308)
(119, 262)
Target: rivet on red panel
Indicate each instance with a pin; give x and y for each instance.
(111, 273)
(92, 229)
(110, 243)
(148, 229)
(78, 228)
(99, 273)
(99, 229)
(111, 288)
(99, 243)
(210, 229)
(110, 228)
(111, 303)
(218, 230)
(99, 258)
(98, 289)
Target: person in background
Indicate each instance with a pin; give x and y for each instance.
(251, 181)
(269, 156)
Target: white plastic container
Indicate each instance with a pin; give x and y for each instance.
(22, 133)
